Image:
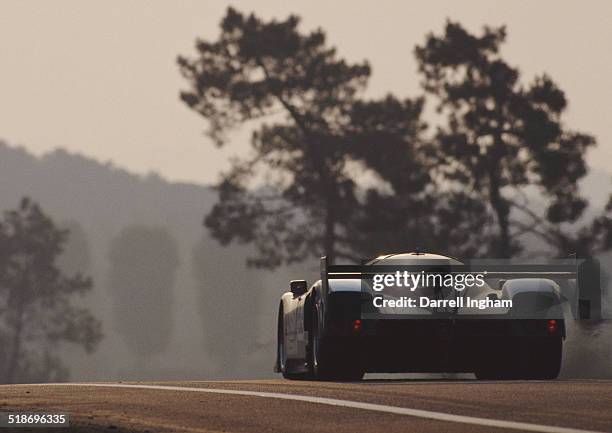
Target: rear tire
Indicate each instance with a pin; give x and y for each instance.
(535, 358)
(325, 365)
(545, 355)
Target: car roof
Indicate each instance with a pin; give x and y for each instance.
(414, 258)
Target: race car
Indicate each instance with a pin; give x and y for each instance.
(331, 331)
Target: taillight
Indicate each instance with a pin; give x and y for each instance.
(357, 325)
(552, 326)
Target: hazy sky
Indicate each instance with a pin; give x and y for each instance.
(100, 78)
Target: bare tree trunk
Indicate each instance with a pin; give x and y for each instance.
(13, 359)
(502, 212)
(18, 307)
(329, 241)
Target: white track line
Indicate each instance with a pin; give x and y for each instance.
(438, 416)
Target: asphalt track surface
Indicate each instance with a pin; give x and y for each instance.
(298, 406)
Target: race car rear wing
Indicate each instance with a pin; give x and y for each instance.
(585, 273)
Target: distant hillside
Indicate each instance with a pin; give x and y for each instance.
(101, 200)
(224, 314)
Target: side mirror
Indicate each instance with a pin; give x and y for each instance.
(298, 287)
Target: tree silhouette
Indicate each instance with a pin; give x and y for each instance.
(311, 159)
(230, 299)
(590, 239)
(76, 254)
(412, 208)
(143, 265)
(36, 310)
(502, 136)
